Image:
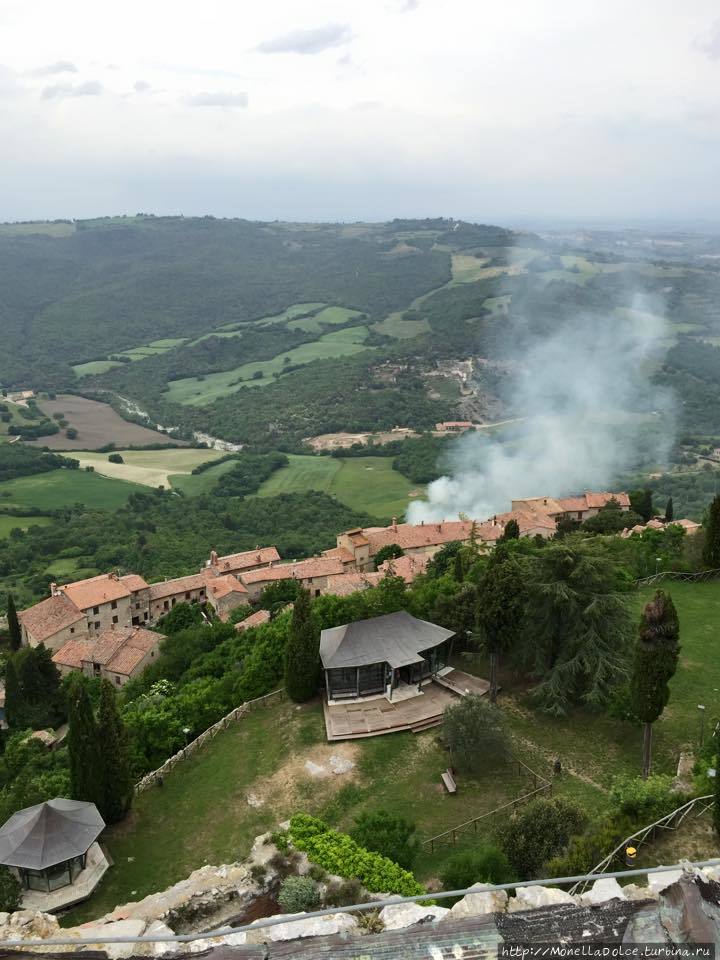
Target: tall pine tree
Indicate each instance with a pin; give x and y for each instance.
(669, 511)
(83, 747)
(13, 624)
(115, 773)
(656, 658)
(302, 653)
(500, 609)
(711, 548)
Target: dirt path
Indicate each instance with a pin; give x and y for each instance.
(511, 706)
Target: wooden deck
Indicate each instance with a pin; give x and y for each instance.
(350, 721)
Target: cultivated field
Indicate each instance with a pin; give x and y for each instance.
(151, 468)
(367, 484)
(24, 523)
(97, 424)
(196, 392)
(63, 488)
(96, 367)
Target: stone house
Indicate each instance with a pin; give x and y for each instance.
(164, 595)
(52, 622)
(575, 508)
(118, 654)
(107, 600)
(237, 563)
(313, 575)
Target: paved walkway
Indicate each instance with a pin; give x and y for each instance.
(347, 721)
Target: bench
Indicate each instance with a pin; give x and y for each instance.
(449, 781)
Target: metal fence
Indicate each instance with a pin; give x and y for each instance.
(540, 786)
(155, 777)
(671, 821)
(663, 575)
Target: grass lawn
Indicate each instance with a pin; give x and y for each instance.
(330, 316)
(15, 417)
(364, 483)
(152, 468)
(193, 485)
(94, 367)
(202, 814)
(196, 392)
(465, 269)
(10, 523)
(62, 488)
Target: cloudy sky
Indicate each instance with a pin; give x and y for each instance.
(360, 109)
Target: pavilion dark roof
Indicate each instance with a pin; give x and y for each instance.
(395, 638)
(49, 833)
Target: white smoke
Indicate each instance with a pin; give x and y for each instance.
(591, 413)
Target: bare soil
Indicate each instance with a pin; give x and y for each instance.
(97, 424)
(341, 441)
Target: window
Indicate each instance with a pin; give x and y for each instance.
(115, 620)
(72, 629)
(152, 653)
(317, 593)
(97, 624)
(113, 605)
(187, 595)
(166, 605)
(145, 616)
(96, 610)
(117, 680)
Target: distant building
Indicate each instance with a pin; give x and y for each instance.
(574, 508)
(454, 426)
(117, 655)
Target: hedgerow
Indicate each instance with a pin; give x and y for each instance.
(338, 853)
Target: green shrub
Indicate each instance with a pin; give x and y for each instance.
(474, 734)
(298, 895)
(280, 839)
(317, 873)
(343, 894)
(258, 872)
(393, 837)
(483, 865)
(539, 831)
(644, 800)
(340, 854)
(10, 891)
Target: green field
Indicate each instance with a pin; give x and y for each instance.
(197, 392)
(193, 485)
(63, 488)
(11, 523)
(96, 367)
(367, 484)
(330, 316)
(151, 468)
(15, 417)
(39, 227)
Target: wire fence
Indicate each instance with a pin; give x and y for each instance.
(671, 821)
(155, 777)
(541, 785)
(663, 575)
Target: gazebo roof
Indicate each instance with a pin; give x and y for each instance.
(49, 833)
(395, 638)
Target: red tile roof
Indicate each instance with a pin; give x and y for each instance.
(95, 590)
(303, 570)
(220, 587)
(170, 588)
(50, 616)
(247, 559)
(72, 653)
(256, 619)
(414, 536)
(339, 553)
(408, 566)
(343, 584)
(134, 582)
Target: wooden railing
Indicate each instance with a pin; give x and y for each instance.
(155, 777)
(702, 577)
(645, 835)
(541, 786)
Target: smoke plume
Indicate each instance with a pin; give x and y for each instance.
(590, 413)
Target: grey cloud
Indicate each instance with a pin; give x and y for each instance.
(407, 5)
(710, 43)
(217, 100)
(308, 41)
(60, 91)
(141, 86)
(60, 66)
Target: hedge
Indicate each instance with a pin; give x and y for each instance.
(338, 853)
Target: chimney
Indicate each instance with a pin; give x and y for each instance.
(422, 523)
(213, 558)
(394, 523)
(54, 590)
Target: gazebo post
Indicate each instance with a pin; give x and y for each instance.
(327, 685)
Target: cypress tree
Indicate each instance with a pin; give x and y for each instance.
(711, 548)
(302, 652)
(13, 699)
(13, 624)
(83, 747)
(656, 657)
(511, 531)
(115, 773)
(669, 511)
(500, 608)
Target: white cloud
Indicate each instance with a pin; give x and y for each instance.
(709, 42)
(60, 66)
(141, 86)
(61, 91)
(218, 99)
(308, 41)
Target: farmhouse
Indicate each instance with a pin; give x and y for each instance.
(107, 600)
(117, 654)
(408, 566)
(52, 622)
(164, 595)
(313, 575)
(225, 593)
(454, 426)
(389, 655)
(574, 508)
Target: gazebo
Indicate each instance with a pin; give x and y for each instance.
(47, 845)
(382, 656)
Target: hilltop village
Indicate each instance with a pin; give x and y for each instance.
(100, 625)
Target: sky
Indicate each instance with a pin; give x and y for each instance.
(360, 109)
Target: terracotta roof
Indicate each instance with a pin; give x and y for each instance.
(249, 558)
(543, 505)
(408, 566)
(597, 500)
(527, 520)
(72, 653)
(120, 651)
(573, 504)
(95, 590)
(690, 526)
(222, 586)
(343, 584)
(357, 537)
(305, 569)
(48, 617)
(134, 582)
(408, 536)
(283, 571)
(339, 553)
(169, 588)
(256, 619)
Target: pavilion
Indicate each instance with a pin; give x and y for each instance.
(391, 655)
(52, 848)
